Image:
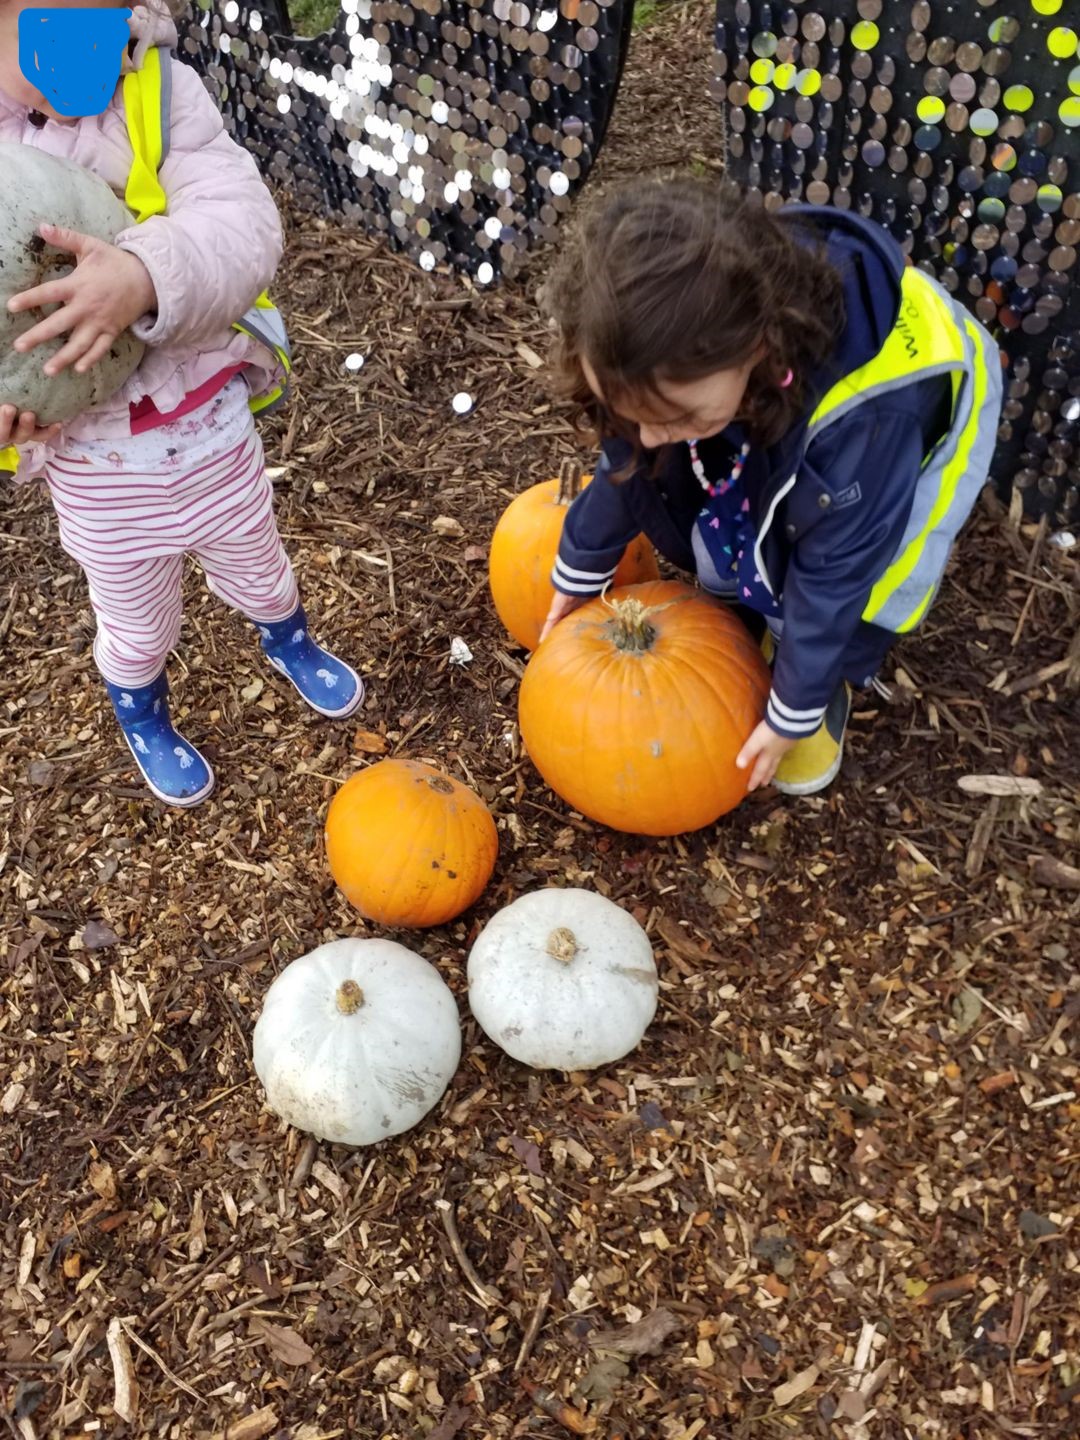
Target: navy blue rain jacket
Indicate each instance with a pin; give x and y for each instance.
(832, 535)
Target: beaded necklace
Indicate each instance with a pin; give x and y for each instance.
(723, 486)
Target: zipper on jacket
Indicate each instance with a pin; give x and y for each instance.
(759, 557)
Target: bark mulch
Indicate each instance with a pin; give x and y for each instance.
(834, 1193)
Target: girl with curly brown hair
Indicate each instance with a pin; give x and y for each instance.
(785, 409)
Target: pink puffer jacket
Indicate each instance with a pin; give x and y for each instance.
(209, 256)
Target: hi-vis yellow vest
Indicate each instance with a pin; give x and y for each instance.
(147, 94)
(932, 335)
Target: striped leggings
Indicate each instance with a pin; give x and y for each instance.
(131, 513)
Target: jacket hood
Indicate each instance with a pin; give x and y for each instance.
(871, 265)
(148, 27)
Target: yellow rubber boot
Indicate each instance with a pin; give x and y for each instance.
(812, 764)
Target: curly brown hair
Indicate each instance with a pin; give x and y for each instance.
(672, 280)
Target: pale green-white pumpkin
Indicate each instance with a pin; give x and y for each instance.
(37, 189)
(563, 980)
(357, 1041)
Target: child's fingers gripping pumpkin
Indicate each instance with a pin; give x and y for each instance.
(108, 290)
(764, 750)
(561, 606)
(23, 429)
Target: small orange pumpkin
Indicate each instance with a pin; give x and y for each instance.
(635, 708)
(523, 550)
(408, 845)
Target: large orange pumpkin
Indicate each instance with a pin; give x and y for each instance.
(523, 550)
(409, 845)
(635, 707)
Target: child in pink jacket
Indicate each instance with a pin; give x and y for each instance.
(171, 465)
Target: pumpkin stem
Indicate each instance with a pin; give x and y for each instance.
(562, 945)
(569, 482)
(630, 628)
(349, 997)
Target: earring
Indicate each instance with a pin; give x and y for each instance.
(788, 378)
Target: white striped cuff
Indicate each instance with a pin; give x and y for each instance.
(794, 724)
(579, 582)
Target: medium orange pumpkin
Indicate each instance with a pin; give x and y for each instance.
(409, 845)
(523, 550)
(635, 707)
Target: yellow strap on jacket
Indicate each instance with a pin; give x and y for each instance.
(932, 335)
(147, 108)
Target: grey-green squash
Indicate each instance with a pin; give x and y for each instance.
(43, 189)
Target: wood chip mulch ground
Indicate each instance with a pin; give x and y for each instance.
(835, 1191)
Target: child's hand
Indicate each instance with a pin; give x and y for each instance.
(561, 606)
(16, 429)
(106, 292)
(765, 749)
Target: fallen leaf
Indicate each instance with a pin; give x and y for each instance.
(601, 1380)
(99, 936)
(283, 1342)
(448, 526)
(28, 1396)
(652, 1117)
(102, 1180)
(796, 1386)
(1033, 1225)
(750, 1369)
(716, 893)
(851, 1405)
(868, 1148)
(967, 1007)
(528, 1152)
(775, 1250)
(451, 1424)
(645, 1337)
(368, 742)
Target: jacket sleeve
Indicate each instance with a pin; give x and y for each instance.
(597, 529)
(220, 243)
(834, 567)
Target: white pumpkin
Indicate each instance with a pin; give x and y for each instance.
(39, 188)
(563, 980)
(357, 1041)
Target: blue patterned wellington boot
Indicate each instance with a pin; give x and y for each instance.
(173, 768)
(327, 684)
